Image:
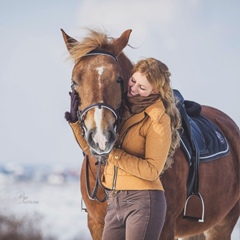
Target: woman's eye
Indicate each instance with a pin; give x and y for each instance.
(133, 80)
(142, 88)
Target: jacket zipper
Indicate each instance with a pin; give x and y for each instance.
(115, 178)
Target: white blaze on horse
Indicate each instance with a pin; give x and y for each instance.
(100, 75)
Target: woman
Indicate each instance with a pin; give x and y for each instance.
(147, 138)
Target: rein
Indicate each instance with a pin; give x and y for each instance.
(100, 159)
(93, 195)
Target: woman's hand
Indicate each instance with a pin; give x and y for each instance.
(72, 115)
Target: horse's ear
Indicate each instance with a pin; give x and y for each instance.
(69, 41)
(120, 43)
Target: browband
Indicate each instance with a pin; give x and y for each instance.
(100, 52)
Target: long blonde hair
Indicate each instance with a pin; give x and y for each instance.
(157, 74)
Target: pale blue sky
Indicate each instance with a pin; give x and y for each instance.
(198, 40)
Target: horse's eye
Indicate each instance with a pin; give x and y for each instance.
(73, 85)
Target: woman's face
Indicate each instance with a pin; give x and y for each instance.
(138, 85)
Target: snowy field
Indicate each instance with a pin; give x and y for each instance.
(59, 205)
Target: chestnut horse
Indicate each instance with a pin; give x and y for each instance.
(100, 76)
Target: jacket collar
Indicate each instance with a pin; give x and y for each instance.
(154, 111)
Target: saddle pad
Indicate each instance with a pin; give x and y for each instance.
(215, 144)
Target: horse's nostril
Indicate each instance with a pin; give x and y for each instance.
(90, 137)
(112, 137)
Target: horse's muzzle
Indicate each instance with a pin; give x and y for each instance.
(101, 143)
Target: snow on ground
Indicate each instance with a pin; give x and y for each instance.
(59, 205)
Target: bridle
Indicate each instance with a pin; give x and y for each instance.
(101, 159)
(81, 114)
(116, 113)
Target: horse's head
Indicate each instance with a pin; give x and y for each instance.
(99, 74)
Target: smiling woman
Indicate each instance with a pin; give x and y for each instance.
(139, 85)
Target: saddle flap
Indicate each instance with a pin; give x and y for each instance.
(197, 136)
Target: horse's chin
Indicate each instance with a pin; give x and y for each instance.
(100, 153)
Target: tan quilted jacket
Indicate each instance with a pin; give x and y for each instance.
(143, 145)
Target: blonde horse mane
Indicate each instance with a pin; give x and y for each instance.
(94, 40)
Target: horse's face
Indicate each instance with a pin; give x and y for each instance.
(96, 79)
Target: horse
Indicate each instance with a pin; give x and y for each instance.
(100, 73)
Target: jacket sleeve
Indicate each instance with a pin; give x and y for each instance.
(158, 140)
(77, 131)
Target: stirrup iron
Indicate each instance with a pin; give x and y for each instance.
(198, 219)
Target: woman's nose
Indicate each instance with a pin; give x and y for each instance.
(134, 87)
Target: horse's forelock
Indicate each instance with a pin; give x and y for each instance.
(94, 40)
